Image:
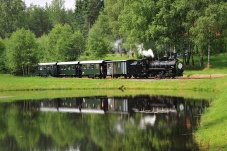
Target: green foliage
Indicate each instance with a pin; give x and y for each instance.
(97, 46)
(11, 16)
(86, 13)
(21, 52)
(38, 20)
(57, 12)
(165, 26)
(2, 57)
(62, 44)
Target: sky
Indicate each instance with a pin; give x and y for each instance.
(69, 4)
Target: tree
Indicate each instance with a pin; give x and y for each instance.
(11, 14)
(2, 57)
(97, 46)
(21, 52)
(133, 22)
(63, 44)
(208, 28)
(87, 12)
(38, 20)
(57, 12)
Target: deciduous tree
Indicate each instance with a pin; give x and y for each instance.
(21, 52)
(11, 14)
(97, 46)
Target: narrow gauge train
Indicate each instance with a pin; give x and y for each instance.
(142, 68)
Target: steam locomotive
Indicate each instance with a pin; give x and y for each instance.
(143, 68)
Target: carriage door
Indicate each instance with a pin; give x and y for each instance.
(109, 68)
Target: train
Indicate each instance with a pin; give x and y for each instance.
(146, 67)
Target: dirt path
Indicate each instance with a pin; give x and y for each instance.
(194, 76)
(203, 76)
(2, 97)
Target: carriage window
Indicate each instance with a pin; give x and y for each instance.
(84, 66)
(73, 68)
(118, 64)
(51, 67)
(61, 67)
(64, 67)
(88, 66)
(97, 66)
(69, 67)
(55, 67)
(40, 68)
(44, 67)
(92, 66)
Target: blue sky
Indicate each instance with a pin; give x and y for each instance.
(68, 3)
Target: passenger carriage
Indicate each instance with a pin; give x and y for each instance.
(47, 69)
(94, 68)
(117, 68)
(72, 68)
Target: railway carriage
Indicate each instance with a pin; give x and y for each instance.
(93, 68)
(117, 68)
(72, 68)
(47, 69)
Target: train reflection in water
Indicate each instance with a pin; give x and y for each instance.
(101, 123)
(123, 105)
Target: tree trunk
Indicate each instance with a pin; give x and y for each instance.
(200, 61)
(23, 69)
(193, 63)
(208, 57)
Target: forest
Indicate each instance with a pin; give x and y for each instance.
(96, 28)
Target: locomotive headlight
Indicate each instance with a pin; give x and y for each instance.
(180, 65)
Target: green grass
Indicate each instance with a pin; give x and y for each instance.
(12, 83)
(212, 134)
(218, 65)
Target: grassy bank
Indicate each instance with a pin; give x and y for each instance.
(12, 83)
(212, 133)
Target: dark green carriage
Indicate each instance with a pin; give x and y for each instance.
(71, 68)
(92, 69)
(47, 69)
(117, 68)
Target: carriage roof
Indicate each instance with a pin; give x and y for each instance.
(47, 63)
(68, 63)
(91, 61)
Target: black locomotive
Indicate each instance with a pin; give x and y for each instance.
(142, 68)
(163, 68)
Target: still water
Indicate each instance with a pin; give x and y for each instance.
(100, 124)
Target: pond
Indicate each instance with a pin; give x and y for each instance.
(102, 123)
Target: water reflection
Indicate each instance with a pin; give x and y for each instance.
(100, 123)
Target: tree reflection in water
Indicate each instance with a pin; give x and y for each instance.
(100, 123)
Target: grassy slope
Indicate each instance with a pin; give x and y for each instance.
(12, 83)
(212, 133)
